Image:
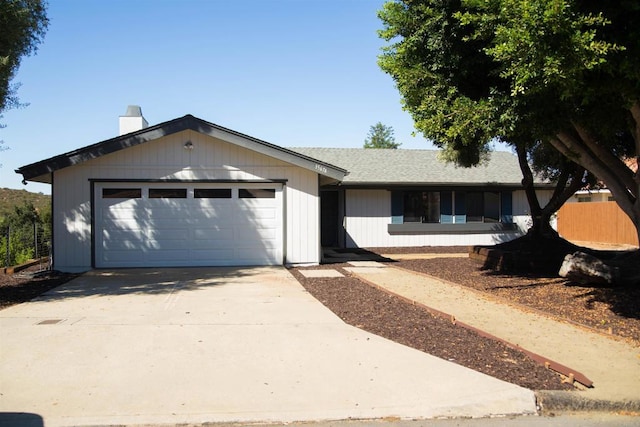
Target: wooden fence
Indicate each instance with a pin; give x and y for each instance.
(601, 222)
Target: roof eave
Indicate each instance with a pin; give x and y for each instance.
(37, 170)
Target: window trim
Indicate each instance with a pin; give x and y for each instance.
(464, 228)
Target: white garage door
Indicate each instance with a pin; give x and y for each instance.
(172, 224)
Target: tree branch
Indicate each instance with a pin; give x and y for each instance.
(612, 176)
(563, 192)
(606, 157)
(571, 149)
(527, 180)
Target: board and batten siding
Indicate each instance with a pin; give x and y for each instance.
(166, 158)
(368, 213)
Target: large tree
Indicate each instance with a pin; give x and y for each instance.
(380, 136)
(559, 72)
(23, 24)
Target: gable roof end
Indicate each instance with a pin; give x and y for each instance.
(41, 171)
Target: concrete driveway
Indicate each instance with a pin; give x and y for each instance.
(143, 346)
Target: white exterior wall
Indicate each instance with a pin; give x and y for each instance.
(522, 212)
(166, 158)
(368, 213)
(586, 196)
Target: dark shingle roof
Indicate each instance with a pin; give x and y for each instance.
(412, 167)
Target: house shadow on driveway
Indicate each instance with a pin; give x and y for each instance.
(149, 281)
(337, 256)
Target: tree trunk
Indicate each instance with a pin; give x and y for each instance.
(541, 217)
(614, 178)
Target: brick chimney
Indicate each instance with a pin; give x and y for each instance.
(132, 120)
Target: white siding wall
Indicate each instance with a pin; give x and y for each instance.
(592, 196)
(368, 212)
(521, 211)
(166, 158)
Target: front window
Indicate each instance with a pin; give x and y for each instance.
(483, 206)
(422, 206)
(451, 207)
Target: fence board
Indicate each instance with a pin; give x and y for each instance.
(601, 222)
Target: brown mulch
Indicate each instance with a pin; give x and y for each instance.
(28, 284)
(614, 311)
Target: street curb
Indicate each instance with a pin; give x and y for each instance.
(555, 400)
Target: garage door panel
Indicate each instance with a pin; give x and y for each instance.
(214, 245)
(167, 232)
(258, 212)
(167, 254)
(121, 223)
(168, 244)
(210, 213)
(115, 204)
(267, 245)
(257, 234)
(189, 231)
(213, 235)
(221, 255)
(122, 234)
(131, 256)
(253, 255)
(122, 244)
(167, 218)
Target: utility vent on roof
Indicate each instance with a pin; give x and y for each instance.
(132, 120)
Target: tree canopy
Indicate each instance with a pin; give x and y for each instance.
(23, 24)
(563, 73)
(380, 136)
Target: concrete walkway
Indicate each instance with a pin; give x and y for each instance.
(612, 365)
(170, 346)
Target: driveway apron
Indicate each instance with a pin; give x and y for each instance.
(196, 345)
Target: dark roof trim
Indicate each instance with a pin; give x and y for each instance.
(188, 122)
(189, 181)
(487, 186)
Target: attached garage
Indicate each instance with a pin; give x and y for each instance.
(188, 224)
(183, 193)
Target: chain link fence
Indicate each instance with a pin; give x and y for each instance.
(29, 242)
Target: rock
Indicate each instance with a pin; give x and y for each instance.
(586, 269)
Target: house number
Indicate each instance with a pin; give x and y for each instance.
(321, 168)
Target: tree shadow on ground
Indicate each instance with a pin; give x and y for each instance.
(117, 282)
(622, 300)
(536, 256)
